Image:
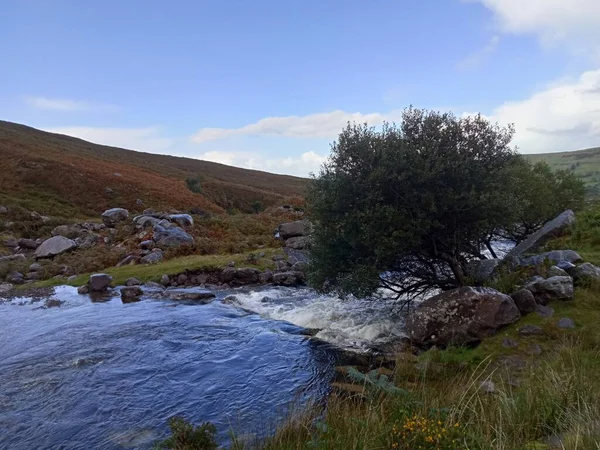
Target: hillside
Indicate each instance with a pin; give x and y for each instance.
(585, 163)
(61, 175)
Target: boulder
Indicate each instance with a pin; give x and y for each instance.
(555, 256)
(165, 280)
(292, 278)
(71, 231)
(298, 242)
(182, 278)
(54, 246)
(152, 258)
(198, 295)
(462, 316)
(82, 290)
(99, 282)
(558, 226)
(265, 277)
(29, 244)
(15, 257)
(585, 272)
(112, 216)
(554, 288)
(556, 271)
(15, 277)
(171, 237)
(524, 300)
(5, 287)
(565, 322)
(239, 277)
(183, 220)
(293, 229)
(300, 266)
(146, 244)
(131, 294)
(482, 270)
(36, 267)
(132, 282)
(3, 210)
(11, 242)
(144, 221)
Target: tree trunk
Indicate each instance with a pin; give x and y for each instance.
(458, 272)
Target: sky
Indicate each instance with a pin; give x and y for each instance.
(269, 84)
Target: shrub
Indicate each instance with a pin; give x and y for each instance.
(184, 436)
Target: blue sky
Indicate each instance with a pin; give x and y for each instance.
(269, 84)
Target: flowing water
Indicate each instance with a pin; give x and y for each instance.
(108, 375)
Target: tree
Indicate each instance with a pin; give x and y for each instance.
(407, 207)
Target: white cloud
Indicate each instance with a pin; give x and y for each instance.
(478, 57)
(319, 125)
(300, 165)
(141, 139)
(575, 22)
(66, 105)
(563, 116)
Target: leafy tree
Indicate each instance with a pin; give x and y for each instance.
(414, 202)
(195, 184)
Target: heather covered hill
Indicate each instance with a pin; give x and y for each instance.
(65, 176)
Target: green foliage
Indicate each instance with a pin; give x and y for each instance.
(415, 200)
(257, 206)
(374, 381)
(194, 184)
(184, 436)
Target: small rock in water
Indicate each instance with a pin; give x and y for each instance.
(131, 294)
(53, 303)
(231, 300)
(82, 290)
(199, 295)
(544, 311)
(165, 280)
(154, 285)
(565, 322)
(99, 282)
(530, 330)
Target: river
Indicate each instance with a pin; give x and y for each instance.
(108, 375)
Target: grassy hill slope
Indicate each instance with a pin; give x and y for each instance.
(585, 163)
(61, 175)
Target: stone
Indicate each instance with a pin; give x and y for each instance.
(554, 288)
(82, 290)
(11, 258)
(239, 277)
(488, 386)
(544, 311)
(15, 277)
(54, 246)
(565, 265)
(139, 202)
(585, 272)
(183, 220)
(461, 316)
(293, 229)
(556, 271)
(70, 231)
(279, 258)
(203, 296)
(565, 322)
(298, 242)
(557, 227)
(291, 278)
(182, 278)
(524, 300)
(3, 210)
(5, 287)
(29, 244)
(534, 350)
(282, 265)
(147, 244)
(99, 282)
(171, 237)
(11, 242)
(300, 266)
(33, 276)
(112, 216)
(530, 330)
(555, 256)
(132, 282)
(131, 294)
(152, 258)
(36, 267)
(165, 280)
(509, 343)
(145, 221)
(482, 270)
(265, 277)
(129, 260)
(154, 285)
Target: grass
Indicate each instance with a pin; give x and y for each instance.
(173, 266)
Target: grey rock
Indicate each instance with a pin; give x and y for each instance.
(461, 316)
(482, 270)
(231, 264)
(558, 226)
(530, 330)
(565, 265)
(132, 282)
(534, 350)
(524, 300)
(198, 295)
(131, 294)
(585, 272)
(292, 278)
(265, 277)
(29, 244)
(139, 202)
(54, 246)
(112, 216)
(146, 244)
(544, 311)
(565, 322)
(11, 242)
(171, 237)
(555, 256)
(33, 276)
(15, 277)
(99, 282)
(154, 285)
(152, 258)
(11, 258)
(70, 231)
(129, 260)
(165, 280)
(556, 271)
(5, 287)
(3, 210)
(293, 229)
(298, 242)
(240, 277)
(182, 278)
(554, 288)
(282, 265)
(509, 343)
(488, 387)
(82, 290)
(279, 258)
(183, 220)
(145, 221)
(300, 266)
(36, 267)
